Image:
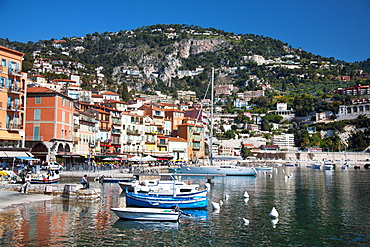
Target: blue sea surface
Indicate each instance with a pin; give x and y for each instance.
(316, 208)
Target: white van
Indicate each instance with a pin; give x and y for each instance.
(52, 165)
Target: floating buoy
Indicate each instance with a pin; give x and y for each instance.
(246, 200)
(226, 197)
(274, 222)
(270, 175)
(274, 213)
(246, 195)
(208, 186)
(215, 205)
(246, 221)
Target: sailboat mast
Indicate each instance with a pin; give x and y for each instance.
(211, 130)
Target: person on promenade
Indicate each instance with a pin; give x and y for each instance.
(27, 183)
(84, 182)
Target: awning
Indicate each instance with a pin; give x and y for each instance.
(15, 153)
(15, 136)
(25, 158)
(4, 135)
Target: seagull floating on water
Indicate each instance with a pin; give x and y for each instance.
(274, 213)
(226, 197)
(221, 203)
(246, 221)
(246, 195)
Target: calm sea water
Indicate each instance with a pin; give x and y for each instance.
(316, 207)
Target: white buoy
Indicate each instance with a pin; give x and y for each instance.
(246, 221)
(215, 205)
(246, 195)
(270, 175)
(208, 186)
(274, 213)
(226, 197)
(274, 222)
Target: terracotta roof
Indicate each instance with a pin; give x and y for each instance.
(109, 93)
(40, 90)
(175, 139)
(56, 80)
(96, 96)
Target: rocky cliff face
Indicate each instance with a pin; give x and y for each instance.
(154, 66)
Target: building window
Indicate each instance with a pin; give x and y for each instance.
(63, 116)
(38, 100)
(37, 114)
(36, 133)
(64, 102)
(3, 63)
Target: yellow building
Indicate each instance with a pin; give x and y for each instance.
(12, 98)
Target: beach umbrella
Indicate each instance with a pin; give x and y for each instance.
(3, 173)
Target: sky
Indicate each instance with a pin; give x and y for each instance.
(330, 28)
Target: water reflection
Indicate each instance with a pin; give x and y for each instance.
(316, 207)
(145, 225)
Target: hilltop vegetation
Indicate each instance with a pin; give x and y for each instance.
(176, 57)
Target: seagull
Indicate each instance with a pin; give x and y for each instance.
(274, 213)
(246, 195)
(246, 221)
(221, 203)
(226, 197)
(290, 175)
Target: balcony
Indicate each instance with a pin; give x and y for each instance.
(15, 72)
(14, 126)
(15, 89)
(34, 138)
(133, 132)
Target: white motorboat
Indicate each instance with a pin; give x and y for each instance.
(264, 168)
(228, 170)
(328, 165)
(166, 185)
(151, 214)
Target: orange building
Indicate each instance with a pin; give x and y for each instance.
(194, 135)
(49, 123)
(12, 100)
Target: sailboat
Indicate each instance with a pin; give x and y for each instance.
(230, 169)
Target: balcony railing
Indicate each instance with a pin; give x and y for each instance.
(14, 126)
(34, 138)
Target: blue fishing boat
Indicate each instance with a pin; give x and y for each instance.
(140, 200)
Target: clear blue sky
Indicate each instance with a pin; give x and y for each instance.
(330, 28)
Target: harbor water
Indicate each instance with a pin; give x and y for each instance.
(316, 208)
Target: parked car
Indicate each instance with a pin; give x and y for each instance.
(52, 165)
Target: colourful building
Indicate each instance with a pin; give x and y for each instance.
(12, 98)
(49, 124)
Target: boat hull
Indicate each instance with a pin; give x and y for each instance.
(227, 170)
(40, 181)
(151, 201)
(147, 214)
